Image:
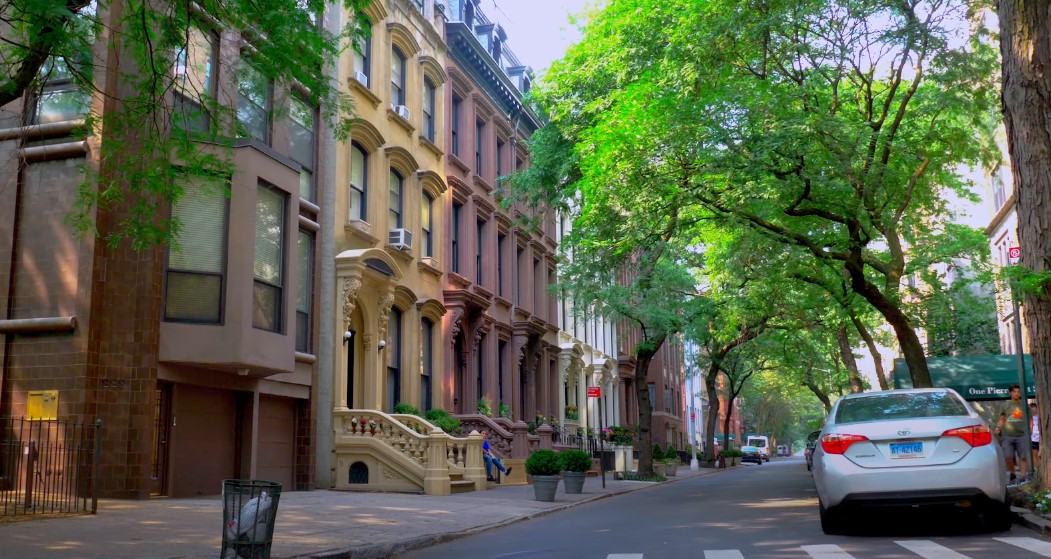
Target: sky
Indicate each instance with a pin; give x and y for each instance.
(538, 31)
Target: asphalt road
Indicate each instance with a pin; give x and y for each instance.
(748, 512)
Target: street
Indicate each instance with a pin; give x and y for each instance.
(750, 512)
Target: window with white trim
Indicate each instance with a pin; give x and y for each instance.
(269, 268)
(195, 277)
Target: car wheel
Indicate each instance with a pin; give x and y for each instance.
(997, 517)
(831, 520)
(808, 466)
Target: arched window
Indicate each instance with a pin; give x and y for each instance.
(363, 59)
(395, 200)
(428, 109)
(358, 203)
(397, 77)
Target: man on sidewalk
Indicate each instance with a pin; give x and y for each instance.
(490, 459)
(1011, 429)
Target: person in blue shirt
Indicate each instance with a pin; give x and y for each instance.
(490, 459)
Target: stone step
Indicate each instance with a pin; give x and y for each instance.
(461, 486)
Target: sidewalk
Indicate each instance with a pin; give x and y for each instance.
(310, 524)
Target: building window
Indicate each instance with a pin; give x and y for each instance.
(427, 351)
(194, 81)
(426, 223)
(457, 213)
(393, 350)
(428, 109)
(454, 125)
(499, 159)
(397, 77)
(667, 399)
(269, 266)
(194, 281)
(999, 192)
(363, 59)
(501, 242)
(518, 277)
(479, 130)
(304, 290)
(301, 145)
(358, 202)
(60, 99)
(254, 95)
(395, 199)
(501, 357)
(480, 367)
(479, 238)
(419, 5)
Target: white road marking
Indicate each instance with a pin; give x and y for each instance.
(1039, 547)
(826, 551)
(722, 554)
(624, 556)
(930, 550)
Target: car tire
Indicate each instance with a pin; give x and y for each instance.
(808, 466)
(831, 520)
(997, 517)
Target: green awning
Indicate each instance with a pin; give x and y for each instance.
(975, 377)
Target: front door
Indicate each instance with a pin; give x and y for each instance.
(162, 420)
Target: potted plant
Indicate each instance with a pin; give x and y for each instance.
(730, 456)
(671, 460)
(571, 412)
(575, 465)
(659, 465)
(543, 466)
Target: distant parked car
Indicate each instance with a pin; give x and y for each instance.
(782, 450)
(808, 450)
(751, 454)
(914, 448)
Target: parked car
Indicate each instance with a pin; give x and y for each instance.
(808, 449)
(751, 454)
(762, 443)
(915, 447)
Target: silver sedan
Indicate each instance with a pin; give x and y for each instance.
(913, 447)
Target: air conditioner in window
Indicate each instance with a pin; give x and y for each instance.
(362, 78)
(400, 239)
(403, 111)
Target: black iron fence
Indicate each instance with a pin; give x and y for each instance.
(48, 466)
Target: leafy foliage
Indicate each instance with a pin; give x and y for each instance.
(402, 407)
(444, 421)
(543, 462)
(575, 460)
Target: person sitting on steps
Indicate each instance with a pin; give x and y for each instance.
(490, 459)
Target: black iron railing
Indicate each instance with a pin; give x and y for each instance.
(48, 466)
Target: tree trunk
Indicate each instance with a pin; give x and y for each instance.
(713, 413)
(726, 420)
(909, 342)
(642, 388)
(881, 374)
(1025, 47)
(847, 354)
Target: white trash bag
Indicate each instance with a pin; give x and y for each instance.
(252, 522)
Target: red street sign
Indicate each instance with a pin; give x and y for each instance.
(693, 416)
(594, 392)
(1013, 254)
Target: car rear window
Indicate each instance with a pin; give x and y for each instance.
(880, 407)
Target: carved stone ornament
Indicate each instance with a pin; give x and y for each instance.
(366, 341)
(350, 298)
(457, 324)
(388, 474)
(386, 302)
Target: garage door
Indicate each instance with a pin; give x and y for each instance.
(276, 440)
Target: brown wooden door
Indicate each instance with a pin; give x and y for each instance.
(162, 420)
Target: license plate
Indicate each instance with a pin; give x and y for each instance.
(912, 449)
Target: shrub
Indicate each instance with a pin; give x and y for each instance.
(730, 453)
(485, 407)
(505, 411)
(658, 452)
(402, 407)
(543, 462)
(671, 453)
(575, 460)
(441, 419)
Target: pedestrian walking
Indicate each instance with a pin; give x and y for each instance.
(1011, 429)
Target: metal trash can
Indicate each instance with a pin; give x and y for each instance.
(249, 512)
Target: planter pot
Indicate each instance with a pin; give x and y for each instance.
(670, 467)
(574, 482)
(544, 487)
(622, 462)
(658, 468)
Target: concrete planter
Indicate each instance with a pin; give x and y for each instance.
(658, 468)
(544, 487)
(670, 467)
(622, 458)
(574, 482)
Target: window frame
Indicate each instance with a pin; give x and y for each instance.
(309, 167)
(428, 108)
(479, 147)
(454, 124)
(363, 192)
(267, 109)
(223, 274)
(58, 86)
(212, 38)
(427, 224)
(395, 340)
(279, 319)
(455, 238)
(365, 56)
(307, 281)
(427, 366)
(395, 216)
(397, 91)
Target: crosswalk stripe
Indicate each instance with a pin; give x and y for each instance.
(624, 556)
(930, 550)
(826, 551)
(722, 554)
(1029, 544)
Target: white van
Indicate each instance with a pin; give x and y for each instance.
(762, 443)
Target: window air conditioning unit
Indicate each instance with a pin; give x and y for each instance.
(362, 78)
(400, 239)
(403, 111)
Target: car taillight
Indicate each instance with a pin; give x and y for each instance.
(836, 443)
(974, 435)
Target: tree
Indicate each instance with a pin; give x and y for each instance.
(832, 127)
(137, 60)
(1025, 46)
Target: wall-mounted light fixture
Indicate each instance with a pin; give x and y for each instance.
(348, 335)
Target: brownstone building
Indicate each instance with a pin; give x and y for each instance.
(199, 360)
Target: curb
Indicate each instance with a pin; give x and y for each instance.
(390, 549)
(1025, 517)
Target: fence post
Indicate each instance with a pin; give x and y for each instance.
(520, 442)
(545, 431)
(95, 467)
(31, 459)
